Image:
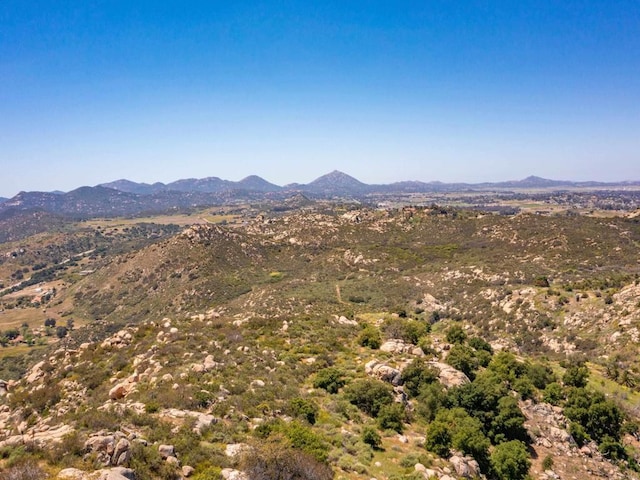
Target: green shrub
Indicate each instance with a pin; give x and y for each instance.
(576, 376)
(578, 433)
(408, 330)
(371, 437)
(369, 395)
(456, 429)
(330, 379)
(418, 374)
(391, 417)
(510, 460)
(553, 393)
(370, 337)
(540, 375)
(462, 357)
(306, 409)
(456, 334)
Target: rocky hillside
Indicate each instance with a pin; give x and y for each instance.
(342, 343)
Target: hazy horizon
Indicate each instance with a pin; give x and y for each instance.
(383, 91)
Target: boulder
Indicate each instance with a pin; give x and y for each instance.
(465, 467)
(121, 390)
(449, 376)
(397, 345)
(384, 372)
(235, 449)
(122, 452)
(71, 474)
(167, 451)
(231, 474)
(187, 471)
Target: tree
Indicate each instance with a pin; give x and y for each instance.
(431, 399)
(390, 417)
(540, 375)
(330, 379)
(371, 438)
(417, 374)
(304, 408)
(61, 332)
(576, 376)
(462, 357)
(456, 334)
(509, 422)
(50, 322)
(553, 393)
(507, 366)
(456, 429)
(510, 460)
(370, 337)
(369, 395)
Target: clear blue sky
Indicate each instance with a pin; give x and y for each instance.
(93, 91)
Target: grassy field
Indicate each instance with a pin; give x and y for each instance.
(182, 219)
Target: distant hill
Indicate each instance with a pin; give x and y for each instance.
(18, 224)
(258, 184)
(336, 183)
(128, 186)
(124, 197)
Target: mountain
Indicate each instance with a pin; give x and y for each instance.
(336, 183)
(128, 186)
(2, 199)
(258, 184)
(209, 185)
(124, 197)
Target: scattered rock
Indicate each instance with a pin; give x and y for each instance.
(235, 449)
(231, 474)
(383, 372)
(449, 376)
(187, 471)
(398, 346)
(465, 467)
(167, 451)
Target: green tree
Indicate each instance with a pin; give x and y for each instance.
(371, 437)
(508, 424)
(330, 379)
(431, 399)
(370, 337)
(510, 460)
(576, 376)
(540, 375)
(456, 429)
(456, 334)
(463, 358)
(553, 393)
(507, 366)
(391, 417)
(418, 374)
(369, 395)
(304, 408)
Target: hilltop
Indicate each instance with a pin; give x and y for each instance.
(516, 334)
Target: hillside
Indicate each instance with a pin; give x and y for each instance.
(396, 344)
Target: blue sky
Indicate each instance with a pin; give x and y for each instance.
(94, 91)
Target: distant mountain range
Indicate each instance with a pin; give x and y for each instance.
(124, 197)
